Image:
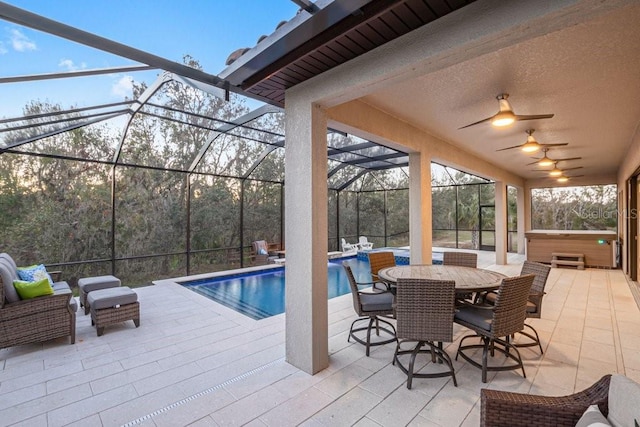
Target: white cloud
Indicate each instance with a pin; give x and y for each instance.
(3, 49)
(123, 87)
(20, 42)
(68, 64)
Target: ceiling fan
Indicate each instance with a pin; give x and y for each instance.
(564, 178)
(505, 116)
(557, 172)
(531, 145)
(546, 161)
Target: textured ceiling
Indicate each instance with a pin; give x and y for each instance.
(588, 75)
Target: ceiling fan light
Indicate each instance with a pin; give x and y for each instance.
(531, 147)
(545, 161)
(563, 179)
(555, 172)
(503, 118)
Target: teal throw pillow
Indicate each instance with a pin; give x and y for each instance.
(34, 273)
(28, 290)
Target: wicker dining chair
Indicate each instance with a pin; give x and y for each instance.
(461, 259)
(424, 315)
(380, 260)
(534, 305)
(370, 306)
(495, 324)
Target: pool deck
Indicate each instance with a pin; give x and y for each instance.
(195, 362)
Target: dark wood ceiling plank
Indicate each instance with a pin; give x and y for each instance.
(372, 9)
(440, 7)
(315, 60)
(352, 46)
(383, 29)
(408, 16)
(380, 22)
(420, 8)
(329, 56)
(358, 37)
(340, 49)
(395, 23)
(369, 32)
(310, 65)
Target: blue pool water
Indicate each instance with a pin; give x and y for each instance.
(261, 294)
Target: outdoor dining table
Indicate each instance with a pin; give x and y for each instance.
(467, 279)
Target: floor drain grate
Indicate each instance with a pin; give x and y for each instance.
(197, 395)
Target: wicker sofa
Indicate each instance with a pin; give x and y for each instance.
(37, 319)
(617, 397)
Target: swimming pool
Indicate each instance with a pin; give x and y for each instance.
(261, 294)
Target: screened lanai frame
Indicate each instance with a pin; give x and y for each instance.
(345, 153)
(353, 163)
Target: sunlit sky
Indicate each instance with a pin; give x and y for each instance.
(208, 30)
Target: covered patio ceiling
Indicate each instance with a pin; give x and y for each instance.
(585, 74)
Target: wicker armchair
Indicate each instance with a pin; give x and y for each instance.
(506, 409)
(491, 324)
(34, 320)
(262, 252)
(424, 314)
(370, 305)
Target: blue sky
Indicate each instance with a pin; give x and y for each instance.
(208, 30)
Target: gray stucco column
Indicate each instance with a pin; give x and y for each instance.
(521, 221)
(307, 336)
(420, 227)
(501, 223)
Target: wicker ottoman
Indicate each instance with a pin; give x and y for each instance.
(89, 284)
(113, 305)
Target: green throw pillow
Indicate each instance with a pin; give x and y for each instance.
(27, 290)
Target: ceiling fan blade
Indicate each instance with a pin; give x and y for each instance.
(559, 144)
(566, 159)
(477, 123)
(532, 163)
(534, 116)
(509, 148)
(570, 169)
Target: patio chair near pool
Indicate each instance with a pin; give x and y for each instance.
(261, 253)
(349, 248)
(370, 306)
(365, 244)
(378, 261)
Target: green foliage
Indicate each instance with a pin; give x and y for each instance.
(574, 208)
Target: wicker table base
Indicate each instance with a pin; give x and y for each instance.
(109, 316)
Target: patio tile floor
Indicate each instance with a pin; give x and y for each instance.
(194, 362)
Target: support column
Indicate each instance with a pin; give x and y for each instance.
(307, 336)
(501, 223)
(527, 213)
(420, 226)
(521, 221)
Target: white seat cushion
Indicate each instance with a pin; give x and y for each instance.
(624, 401)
